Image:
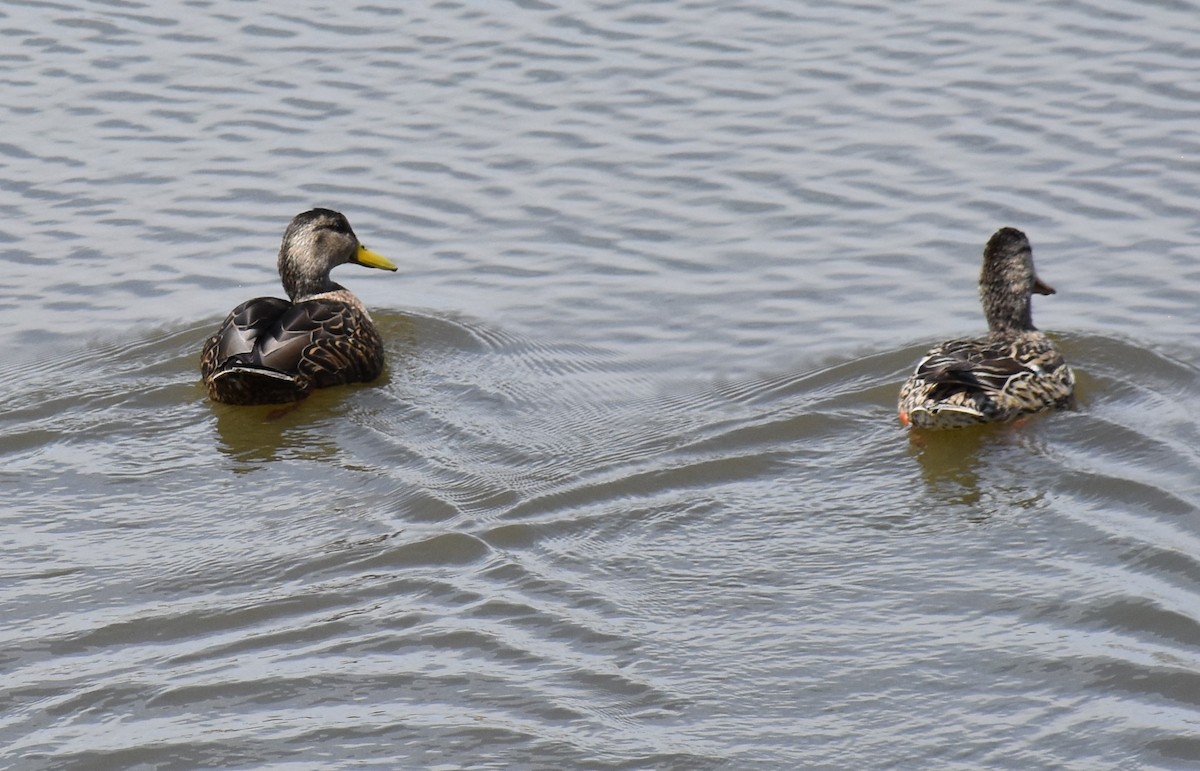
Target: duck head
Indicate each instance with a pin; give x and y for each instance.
(1007, 282)
(316, 242)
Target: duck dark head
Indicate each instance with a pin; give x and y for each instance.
(316, 242)
(1008, 281)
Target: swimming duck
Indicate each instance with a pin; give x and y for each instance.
(1011, 372)
(271, 351)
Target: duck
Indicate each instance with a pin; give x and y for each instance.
(274, 351)
(1011, 372)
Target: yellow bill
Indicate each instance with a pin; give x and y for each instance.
(373, 259)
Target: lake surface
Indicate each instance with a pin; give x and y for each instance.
(632, 493)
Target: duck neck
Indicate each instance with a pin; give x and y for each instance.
(1007, 311)
(302, 287)
(302, 277)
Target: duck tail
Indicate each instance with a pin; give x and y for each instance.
(240, 383)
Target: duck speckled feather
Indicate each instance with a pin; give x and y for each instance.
(271, 351)
(1011, 372)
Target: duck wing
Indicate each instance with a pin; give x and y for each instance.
(971, 365)
(270, 351)
(327, 341)
(997, 369)
(231, 366)
(241, 330)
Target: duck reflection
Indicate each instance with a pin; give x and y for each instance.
(254, 436)
(967, 467)
(949, 461)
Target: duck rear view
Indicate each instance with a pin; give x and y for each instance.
(270, 351)
(1011, 372)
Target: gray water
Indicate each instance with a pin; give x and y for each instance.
(632, 493)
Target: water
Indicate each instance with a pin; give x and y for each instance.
(632, 493)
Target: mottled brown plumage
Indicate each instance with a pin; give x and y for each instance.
(1011, 372)
(270, 351)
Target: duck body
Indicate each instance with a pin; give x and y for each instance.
(1013, 371)
(986, 380)
(270, 350)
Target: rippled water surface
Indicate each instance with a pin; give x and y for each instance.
(631, 494)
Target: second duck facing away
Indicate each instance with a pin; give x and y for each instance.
(1013, 371)
(271, 351)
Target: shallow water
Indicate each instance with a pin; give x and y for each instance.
(632, 493)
